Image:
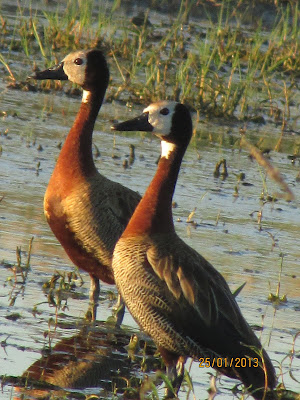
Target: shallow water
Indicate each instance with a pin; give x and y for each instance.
(225, 231)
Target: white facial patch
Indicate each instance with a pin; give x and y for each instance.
(161, 123)
(167, 148)
(75, 71)
(86, 96)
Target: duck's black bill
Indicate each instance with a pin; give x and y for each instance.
(140, 123)
(56, 72)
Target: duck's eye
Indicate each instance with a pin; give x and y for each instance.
(164, 111)
(78, 61)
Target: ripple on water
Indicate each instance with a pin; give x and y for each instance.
(225, 231)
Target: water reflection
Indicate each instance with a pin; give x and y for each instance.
(96, 357)
(226, 232)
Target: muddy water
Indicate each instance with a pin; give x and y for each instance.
(225, 230)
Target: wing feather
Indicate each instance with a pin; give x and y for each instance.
(194, 283)
(187, 286)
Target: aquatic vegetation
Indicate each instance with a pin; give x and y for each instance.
(6, 65)
(59, 288)
(20, 272)
(217, 67)
(276, 298)
(224, 172)
(272, 172)
(220, 66)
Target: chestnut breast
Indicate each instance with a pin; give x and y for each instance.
(88, 215)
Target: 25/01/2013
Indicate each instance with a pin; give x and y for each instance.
(226, 362)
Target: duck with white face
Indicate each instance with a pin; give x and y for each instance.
(175, 294)
(86, 211)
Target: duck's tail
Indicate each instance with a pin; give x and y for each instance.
(257, 373)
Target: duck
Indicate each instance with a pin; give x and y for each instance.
(86, 211)
(174, 294)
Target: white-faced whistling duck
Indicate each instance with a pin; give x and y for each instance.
(86, 211)
(173, 293)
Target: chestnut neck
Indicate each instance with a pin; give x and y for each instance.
(154, 212)
(76, 155)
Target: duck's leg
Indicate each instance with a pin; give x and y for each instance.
(119, 310)
(172, 375)
(175, 371)
(180, 373)
(94, 297)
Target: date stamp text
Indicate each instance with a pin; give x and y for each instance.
(227, 362)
